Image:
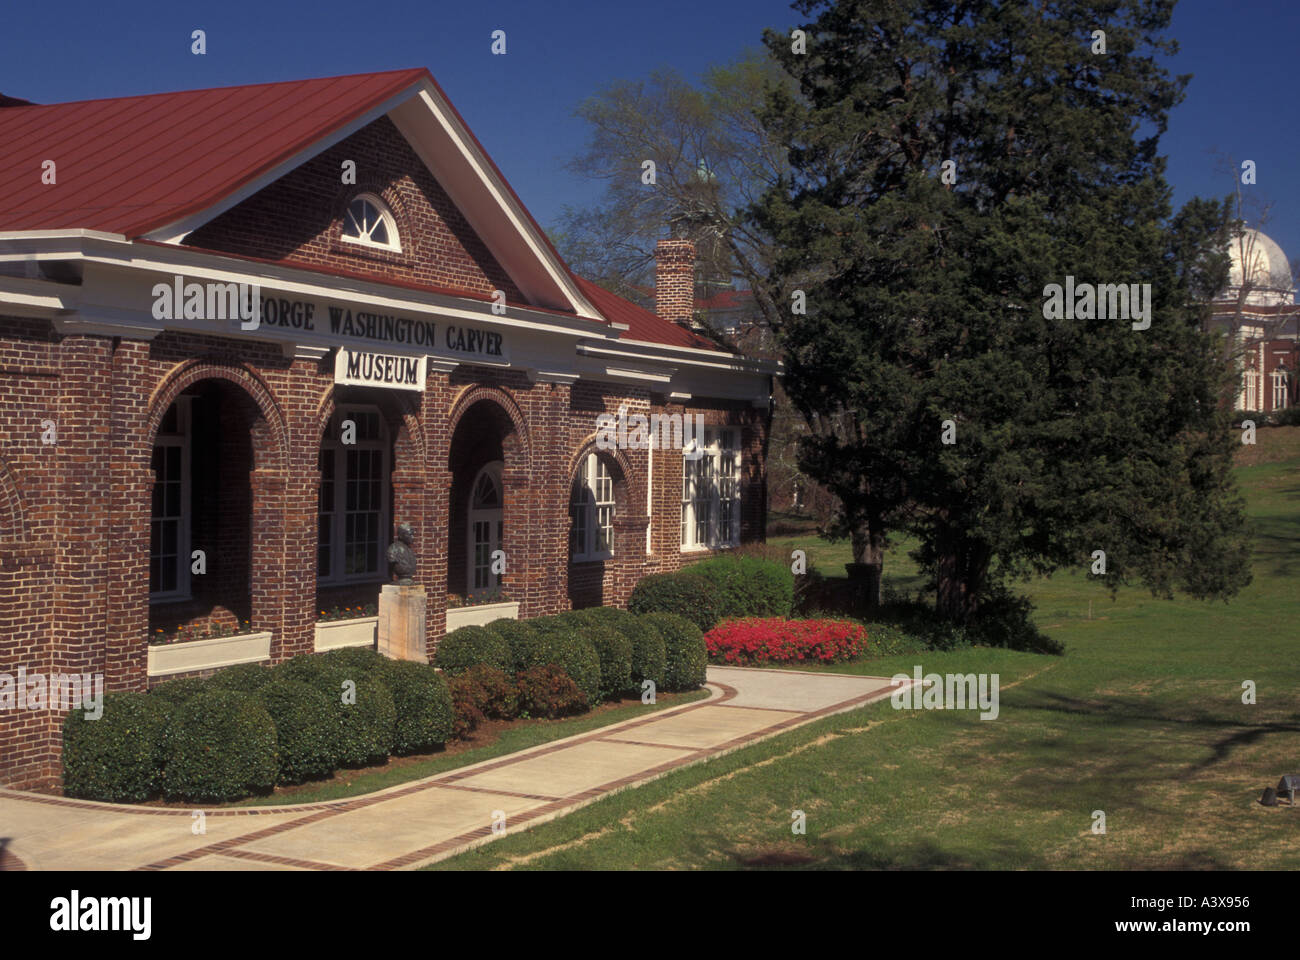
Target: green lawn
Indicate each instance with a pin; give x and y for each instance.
(1142, 719)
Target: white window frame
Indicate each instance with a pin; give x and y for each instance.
(702, 484)
(335, 447)
(1279, 389)
(597, 497)
(390, 224)
(494, 516)
(184, 422)
(1254, 398)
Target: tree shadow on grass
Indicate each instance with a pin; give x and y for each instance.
(1229, 735)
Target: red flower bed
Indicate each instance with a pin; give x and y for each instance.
(777, 640)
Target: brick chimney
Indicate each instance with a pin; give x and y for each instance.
(675, 281)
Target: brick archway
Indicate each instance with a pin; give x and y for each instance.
(522, 446)
(255, 560)
(274, 449)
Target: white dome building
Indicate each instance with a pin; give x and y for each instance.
(1257, 311)
(1268, 273)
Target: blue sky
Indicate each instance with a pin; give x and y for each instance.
(559, 51)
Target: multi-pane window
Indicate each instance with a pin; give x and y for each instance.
(169, 531)
(352, 514)
(368, 222)
(591, 510)
(711, 490)
(1279, 389)
(1253, 398)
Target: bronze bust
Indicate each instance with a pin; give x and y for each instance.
(401, 556)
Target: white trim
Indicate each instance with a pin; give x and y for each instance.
(411, 117)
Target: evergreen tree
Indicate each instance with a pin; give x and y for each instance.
(949, 162)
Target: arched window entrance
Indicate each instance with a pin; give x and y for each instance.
(485, 533)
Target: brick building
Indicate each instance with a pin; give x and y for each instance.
(245, 332)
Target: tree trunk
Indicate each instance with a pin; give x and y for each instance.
(868, 565)
(960, 576)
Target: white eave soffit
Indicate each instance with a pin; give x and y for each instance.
(445, 147)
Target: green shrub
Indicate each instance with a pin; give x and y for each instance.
(686, 658)
(748, 586)
(119, 757)
(470, 646)
(423, 705)
(684, 593)
(306, 729)
(242, 678)
(647, 645)
(179, 690)
(360, 661)
(220, 746)
(368, 726)
(500, 697)
(549, 692)
(614, 649)
(518, 635)
(559, 641)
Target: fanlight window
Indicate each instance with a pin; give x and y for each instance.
(486, 493)
(369, 222)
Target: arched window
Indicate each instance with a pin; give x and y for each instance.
(369, 222)
(485, 528)
(353, 513)
(591, 511)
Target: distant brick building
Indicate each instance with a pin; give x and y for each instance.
(174, 457)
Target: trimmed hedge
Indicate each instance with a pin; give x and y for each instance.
(220, 746)
(686, 658)
(422, 703)
(466, 695)
(368, 726)
(119, 757)
(518, 635)
(180, 690)
(549, 692)
(747, 586)
(470, 646)
(613, 649)
(242, 678)
(306, 729)
(360, 661)
(647, 646)
(684, 593)
(560, 642)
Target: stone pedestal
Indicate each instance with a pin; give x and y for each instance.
(401, 623)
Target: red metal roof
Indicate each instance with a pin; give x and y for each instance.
(129, 165)
(642, 324)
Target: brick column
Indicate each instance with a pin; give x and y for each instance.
(268, 590)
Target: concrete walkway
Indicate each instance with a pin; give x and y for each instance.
(427, 820)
